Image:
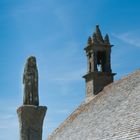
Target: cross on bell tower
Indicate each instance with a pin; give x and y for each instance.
(99, 74)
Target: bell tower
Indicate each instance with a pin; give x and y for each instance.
(99, 73)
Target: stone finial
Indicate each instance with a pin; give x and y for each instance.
(89, 40)
(98, 34)
(30, 81)
(30, 114)
(106, 39)
(31, 120)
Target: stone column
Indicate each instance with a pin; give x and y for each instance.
(31, 121)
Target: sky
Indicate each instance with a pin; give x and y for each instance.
(56, 32)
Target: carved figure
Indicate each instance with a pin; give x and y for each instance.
(30, 81)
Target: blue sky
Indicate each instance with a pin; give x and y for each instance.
(56, 31)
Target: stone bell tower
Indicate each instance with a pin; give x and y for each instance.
(99, 74)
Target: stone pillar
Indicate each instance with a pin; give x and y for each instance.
(31, 121)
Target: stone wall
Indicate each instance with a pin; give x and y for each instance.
(31, 121)
(113, 114)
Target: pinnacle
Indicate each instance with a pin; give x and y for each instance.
(98, 34)
(89, 40)
(106, 39)
(94, 38)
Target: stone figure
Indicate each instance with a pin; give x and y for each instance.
(30, 81)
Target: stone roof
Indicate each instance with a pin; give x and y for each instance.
(113, 114)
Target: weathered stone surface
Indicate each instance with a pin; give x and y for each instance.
(99, 72)
(31, 121)
(96, 81)
(30, 81)
(113, 114)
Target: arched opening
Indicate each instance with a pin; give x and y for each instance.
(101, 57)
(90, 66)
